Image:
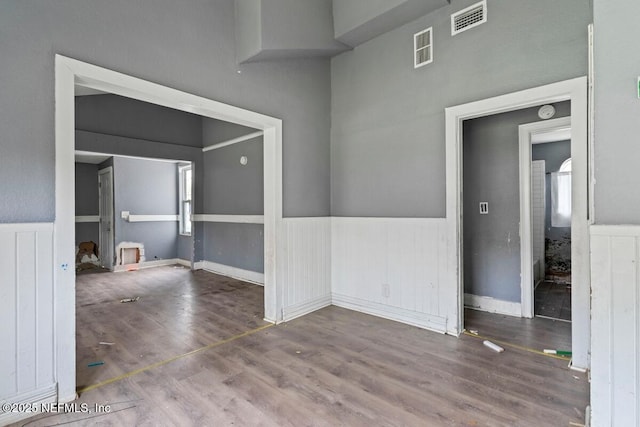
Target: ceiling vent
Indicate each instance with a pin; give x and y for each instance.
(422, 48)
(469, 17)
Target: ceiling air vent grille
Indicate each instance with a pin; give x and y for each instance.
(470, 17)
(422, 48)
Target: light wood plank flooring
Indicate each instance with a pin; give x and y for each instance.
(332, 367)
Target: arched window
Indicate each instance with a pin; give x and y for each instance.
(561, 196)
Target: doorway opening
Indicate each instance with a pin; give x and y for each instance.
(71, 74)
(545, 157)
(575, 91)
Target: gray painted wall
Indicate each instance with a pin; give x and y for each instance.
(292, 28)
(236, 245)
(187, 47)
(387, 135)
(230, 188)
(248, 34)
(279, 29)
(351, 14)
(357, 21)
(87, 201)
(490, 174)
(216, 131)
(146, 187)
(120, 116)
(617, 109)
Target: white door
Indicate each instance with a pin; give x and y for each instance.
(105, 195)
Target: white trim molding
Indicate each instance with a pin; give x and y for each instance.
(297, 310)
(238, 219)
(70, 73)
(574, 90)
(151, 264)
(152, 218)
(525, 136)
(233, 272)
(31, 399)
(414, 318)
(87, 218)
(232, 141)
(492, 305)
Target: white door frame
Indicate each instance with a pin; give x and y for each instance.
(108, 262)
(69, 73)
(574, 90)
(525, 132)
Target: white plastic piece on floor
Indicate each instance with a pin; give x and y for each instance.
(492, 346)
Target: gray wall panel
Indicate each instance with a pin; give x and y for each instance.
(382, 106)
(185, 46)
(236, 245)
(491, 174)
(146, 187)
(231, 188)
(617, 109)
(120, 116)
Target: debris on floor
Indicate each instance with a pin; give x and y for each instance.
(492, 346)
(130, 299)
(92, 364)
(473, 331)
(557, 352)
(106, 343)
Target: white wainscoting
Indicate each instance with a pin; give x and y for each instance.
(394, 268)
(304, 265)
(615, 320)
(229, 271)
(26, 315)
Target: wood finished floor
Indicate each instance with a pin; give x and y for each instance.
(553, 300)
(332, 367)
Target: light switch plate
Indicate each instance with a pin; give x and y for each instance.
(125, 214)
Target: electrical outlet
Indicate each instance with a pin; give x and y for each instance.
(124, 214)
(484, 208)
(386, 291)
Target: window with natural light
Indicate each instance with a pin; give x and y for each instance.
(561, 196)
(185, 181)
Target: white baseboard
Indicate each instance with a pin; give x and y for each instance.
(183, 262)
(150, 264)
(33, 398)
(420, 320)
(233, 272)
(293, 311)
(492, 305)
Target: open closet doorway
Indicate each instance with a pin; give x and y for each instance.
(545, 157)
(513, 299)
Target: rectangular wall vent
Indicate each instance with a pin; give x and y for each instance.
(469, 17)
(423, 48)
